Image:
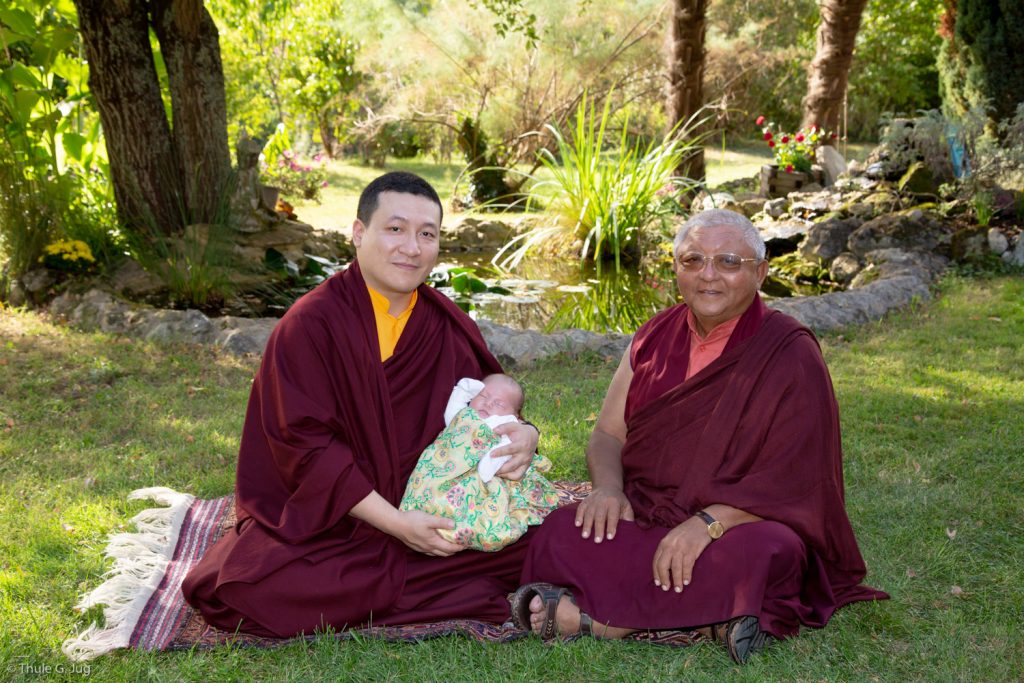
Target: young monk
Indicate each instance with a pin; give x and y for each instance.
(323, 463)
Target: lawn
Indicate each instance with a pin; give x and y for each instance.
(931, 402)
(346, 178)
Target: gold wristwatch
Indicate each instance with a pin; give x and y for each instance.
(715, 528)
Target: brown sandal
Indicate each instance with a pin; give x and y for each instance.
(549, 595)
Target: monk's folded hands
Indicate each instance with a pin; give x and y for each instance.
(601, 511)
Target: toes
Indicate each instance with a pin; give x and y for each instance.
(536, 605)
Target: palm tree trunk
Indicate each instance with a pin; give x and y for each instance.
(828, 74)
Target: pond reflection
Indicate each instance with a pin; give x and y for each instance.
(554, 294)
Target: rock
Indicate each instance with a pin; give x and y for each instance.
(875, 171)
(969, 243)
(889, 263)
(918, 180)
(37, 281)
(131, 280)
(839, 309)
(522, 347)
(1017, 255)
(831, 162)
(827, 239)
(16, 295)
(475, 234)
(751, 207)
(812, 187)
(719, 200)
(776, 207)
(899, 231)
(783, 236)
(844, 267)
(998, 243)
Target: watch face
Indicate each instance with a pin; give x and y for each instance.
(715, 529)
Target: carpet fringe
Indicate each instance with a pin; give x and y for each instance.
(140, 559)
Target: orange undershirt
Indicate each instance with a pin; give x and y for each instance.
(389, 328)
(704, 351)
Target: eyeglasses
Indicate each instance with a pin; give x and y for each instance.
(694, 262)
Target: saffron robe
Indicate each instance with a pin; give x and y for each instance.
(757, 429)
(327, 422)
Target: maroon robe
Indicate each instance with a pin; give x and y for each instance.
(757, 429)
(327, 423)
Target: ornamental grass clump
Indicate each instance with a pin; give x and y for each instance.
(602, 196)
(794, 152)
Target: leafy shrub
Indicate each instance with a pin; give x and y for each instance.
(604, 198)
(282, 168)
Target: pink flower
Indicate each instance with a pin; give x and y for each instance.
(760, 120)
(799, 137)
(323, 184)
(789, 168)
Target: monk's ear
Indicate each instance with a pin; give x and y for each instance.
(357, 232)
(762, 272)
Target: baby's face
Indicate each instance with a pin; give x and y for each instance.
(500, 396)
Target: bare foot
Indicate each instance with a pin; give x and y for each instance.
(567, 620)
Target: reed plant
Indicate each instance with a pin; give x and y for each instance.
(604, 192)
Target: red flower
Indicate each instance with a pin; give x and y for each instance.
(785, 139)
(835, 135)
(771, 143)
(789, 168)
(760, 120)
(799, 137)
(767, 135)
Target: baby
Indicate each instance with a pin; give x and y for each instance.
(455, 475)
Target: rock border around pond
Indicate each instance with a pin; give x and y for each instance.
(902, 278)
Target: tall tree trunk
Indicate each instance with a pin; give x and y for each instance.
(144, 167)
(190, 45)
(829, 71)
(688, 26)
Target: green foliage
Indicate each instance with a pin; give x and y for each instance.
(464, 284)
(51, 155)
(604, 198)
(982, 63)
(282, 168)
(984, 208)
(614, 302)
(286, 61)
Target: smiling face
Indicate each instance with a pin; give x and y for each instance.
(398, 247)
(716, 297)
(501, 395)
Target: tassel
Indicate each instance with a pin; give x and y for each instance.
(140, 560)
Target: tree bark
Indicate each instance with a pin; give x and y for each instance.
(144, 167)
(190, 46)
(687, 30)
(828, 74)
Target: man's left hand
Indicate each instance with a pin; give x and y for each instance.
(677, 552)
(524, 440)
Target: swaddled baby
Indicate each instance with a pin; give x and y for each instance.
(455, 475)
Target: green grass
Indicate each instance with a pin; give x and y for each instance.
(931, 402)
(346, 178)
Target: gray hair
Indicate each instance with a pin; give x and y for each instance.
(722, 217)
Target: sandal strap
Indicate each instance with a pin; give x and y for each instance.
(586, 624)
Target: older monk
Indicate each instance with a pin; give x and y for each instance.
(717, 470)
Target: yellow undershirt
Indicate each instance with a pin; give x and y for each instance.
(389, 328)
